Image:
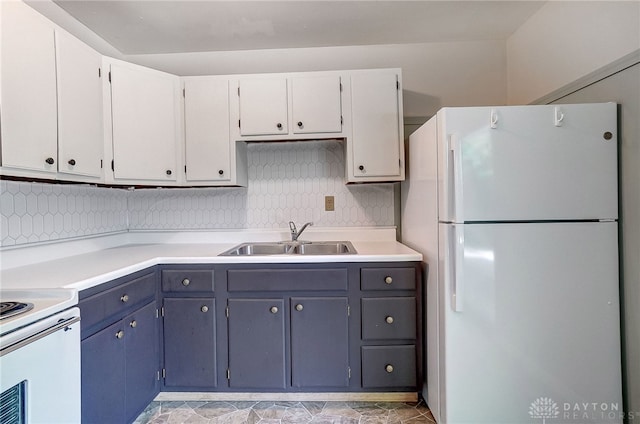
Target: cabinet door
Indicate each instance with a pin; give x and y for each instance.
(143, 110)
(103, 376)
(319, 342)
(256, 344)
(376, 141)
(80, 137)
(28, 87)
(316, 105)
(206, 115)
(263, 106)
(142, 360)
(190, 342)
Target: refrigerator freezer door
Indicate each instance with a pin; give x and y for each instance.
(524, 163)
(540, 320)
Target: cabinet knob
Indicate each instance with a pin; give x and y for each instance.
(361, 168)
(299, 307)
(204, 308)
(388, 368)
(125, 298)
(279, 125)
(50, 161)
(300, 124)
(389, 320)
(169, 172)
(221, 172)
(273, 310)
(186, 282)
(72, 162)
(120, 334)
(388, 280)
(133, 324)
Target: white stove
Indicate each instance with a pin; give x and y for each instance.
(46, 302)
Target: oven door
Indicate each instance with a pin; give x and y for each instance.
(40, 378)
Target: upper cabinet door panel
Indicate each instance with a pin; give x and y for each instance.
(80, 136)
(143, 103)
(28, 87)
(263, 106)
(316, 104)
(376, 124)
(206, 115)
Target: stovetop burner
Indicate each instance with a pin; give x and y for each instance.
(9, 309)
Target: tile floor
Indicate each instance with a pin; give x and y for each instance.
(286, 412)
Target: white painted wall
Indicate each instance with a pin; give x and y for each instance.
(566, 40)
(434, 74)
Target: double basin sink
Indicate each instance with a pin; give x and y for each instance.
(292, 248)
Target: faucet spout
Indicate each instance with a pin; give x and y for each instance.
(294, 231)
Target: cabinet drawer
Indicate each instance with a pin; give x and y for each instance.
(187, 280)
(389, 318)
(116, 300)
(287, 279)
(388, 366)
(388, 279)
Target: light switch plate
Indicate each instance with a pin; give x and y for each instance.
(329, 203)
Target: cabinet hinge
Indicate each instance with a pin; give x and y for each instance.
(340, 86)
(109, 76)
(228, 374)
(349, 372)
(397, 85)
(158, 375)
(348, 310)
(100, 163)
(341, 121)
(164, 373)
(238, 123)
(226, 311)
(238, 91)
(162, 311)
(185, 169)
(99, 73)
(112, 166)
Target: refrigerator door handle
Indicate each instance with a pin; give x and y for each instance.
(454, 189)
(455, 251)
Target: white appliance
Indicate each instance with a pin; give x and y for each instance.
(515, 211)
(40, 357)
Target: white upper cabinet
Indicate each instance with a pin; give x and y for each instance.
(376, 150)
(28, 91)
(144, 113)
(80, 135)
(263, 106)
(210, 155)
(316, 104)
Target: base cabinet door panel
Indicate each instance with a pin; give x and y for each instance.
(257, 343)
(190, 342)
(319, 342)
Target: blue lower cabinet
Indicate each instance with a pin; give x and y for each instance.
(256, 329)
(189, 343)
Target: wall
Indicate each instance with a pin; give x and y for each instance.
(434, 74)
(624, 88)
(566, 40)
(287, 181)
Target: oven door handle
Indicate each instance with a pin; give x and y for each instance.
(64, 324)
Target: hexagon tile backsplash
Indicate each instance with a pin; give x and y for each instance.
(287, 181)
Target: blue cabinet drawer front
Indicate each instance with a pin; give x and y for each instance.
(388, 366)
(388, 279)
(187, 280)
(389, 318)
(116, 301)
(243, 280)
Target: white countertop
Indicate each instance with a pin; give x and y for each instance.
(86, 270)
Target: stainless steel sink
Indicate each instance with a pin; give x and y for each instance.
(292, 248)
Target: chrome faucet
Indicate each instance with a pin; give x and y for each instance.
(294, 231)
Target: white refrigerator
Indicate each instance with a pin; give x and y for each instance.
(515, 211)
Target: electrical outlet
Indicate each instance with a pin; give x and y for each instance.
(329, 203)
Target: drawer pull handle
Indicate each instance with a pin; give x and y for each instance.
(299, 307)
(388, 368)
(389, 320)
(125, 298)
(274, 310)
(204, 308)
(388, 280)
(120, 334)
(133, 324)
(186, 282)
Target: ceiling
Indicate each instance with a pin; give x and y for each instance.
(165, 26)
